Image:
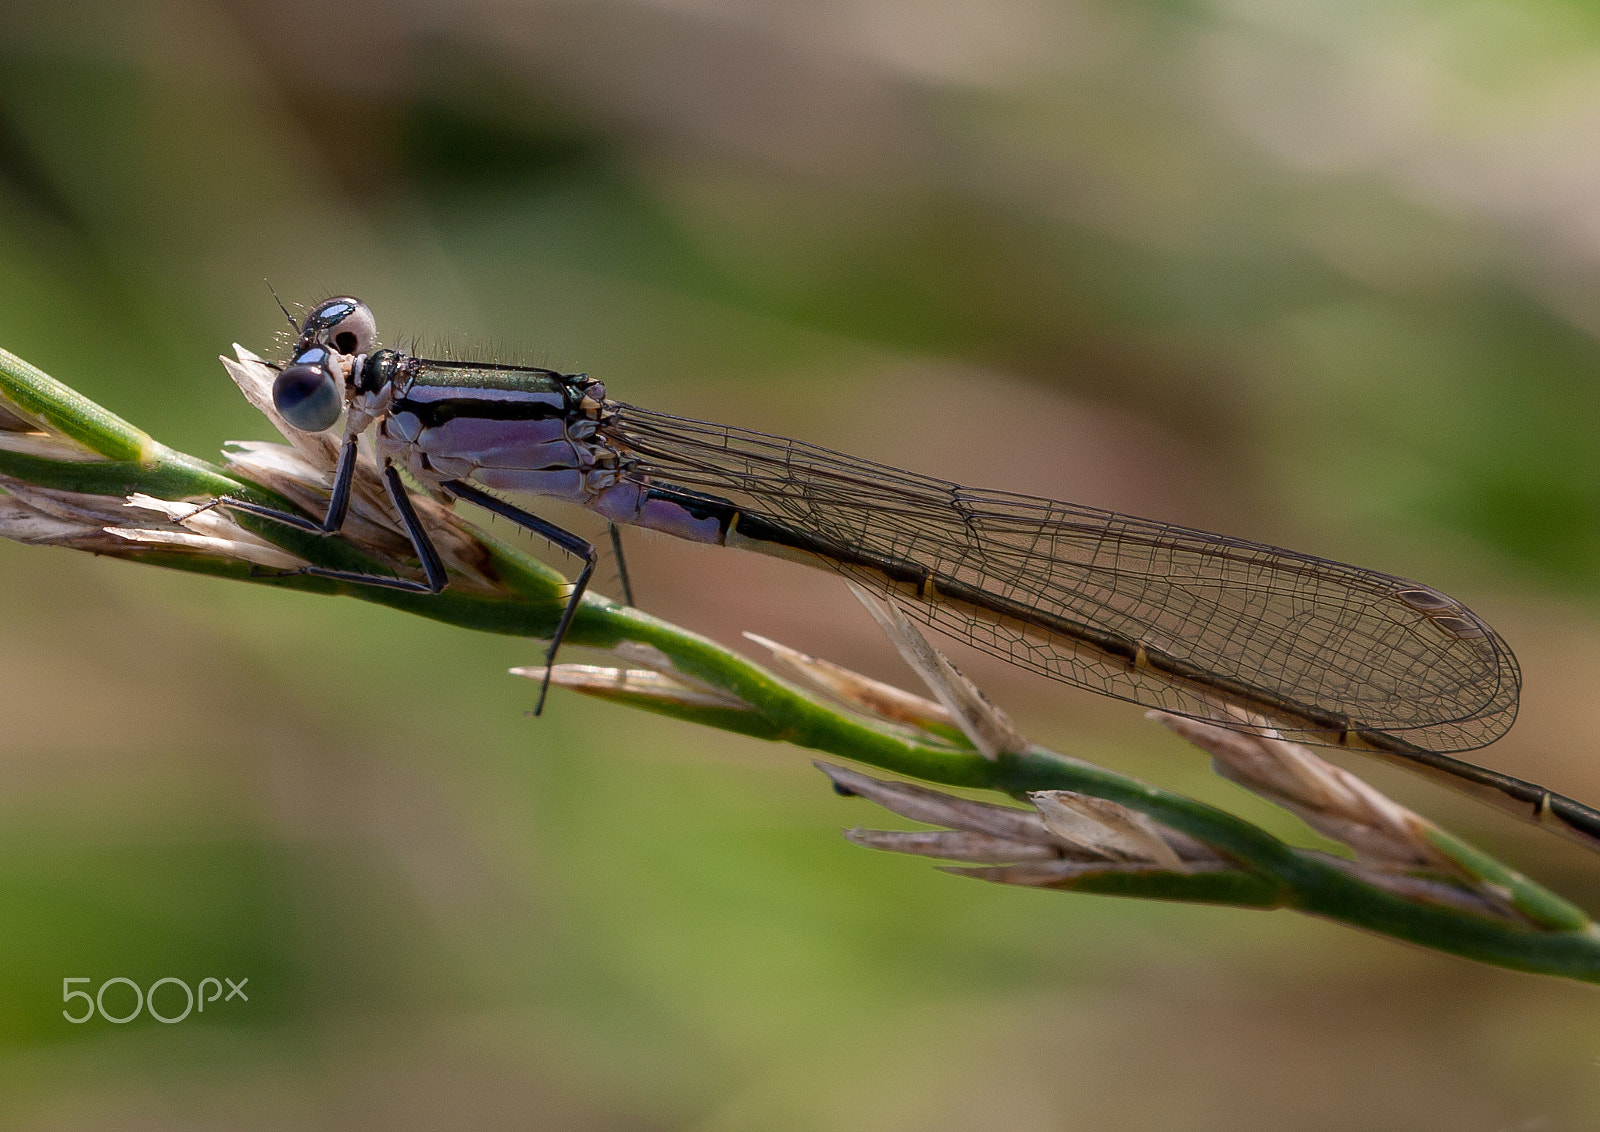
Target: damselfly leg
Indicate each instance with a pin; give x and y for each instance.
(338, 509)
(559, 536)
(622, 563)
(422, 545)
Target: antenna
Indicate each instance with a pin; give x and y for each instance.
(281, 307)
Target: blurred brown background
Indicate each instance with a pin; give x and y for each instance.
(1325, 274)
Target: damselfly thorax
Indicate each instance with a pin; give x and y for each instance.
(1173, 618)
(526, 432)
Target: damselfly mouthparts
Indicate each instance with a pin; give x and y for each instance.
(1160, 615)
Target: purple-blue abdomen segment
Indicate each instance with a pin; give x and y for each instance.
(628, 503)
(670, 511)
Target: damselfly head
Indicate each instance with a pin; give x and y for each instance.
(335, 338)
(341, 323)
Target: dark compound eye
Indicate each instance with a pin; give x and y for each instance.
(307, 394)
(344, 323)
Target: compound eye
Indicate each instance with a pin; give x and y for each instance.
(344, 323)
(306, 394)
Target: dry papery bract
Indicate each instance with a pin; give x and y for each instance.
(658, 679)
(1379, 831)
(301, 471)
(853, 690)
(105, 524)
(1064, 836)
(640, 682)
(986, 727)
(1068, 834)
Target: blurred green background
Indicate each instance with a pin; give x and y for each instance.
(1325, 274)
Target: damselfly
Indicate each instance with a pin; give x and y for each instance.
(1160, 615)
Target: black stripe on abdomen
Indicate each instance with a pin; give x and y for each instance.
(434, 405)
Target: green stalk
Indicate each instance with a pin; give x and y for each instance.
(102, 456)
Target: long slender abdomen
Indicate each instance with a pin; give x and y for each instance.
(682, 514)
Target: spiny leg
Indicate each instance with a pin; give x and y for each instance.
(565, 539)
(622, 562)
(333, 522)
(432, 566)
(344, 479)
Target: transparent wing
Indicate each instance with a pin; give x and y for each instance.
(1160, 615)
